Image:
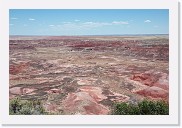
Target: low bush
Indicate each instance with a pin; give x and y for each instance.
(142, 108)
(25, 107)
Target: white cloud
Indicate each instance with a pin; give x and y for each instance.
(99, 24)
(31, 19)
(14, 18)
(66, 22)
(105, 24)
(94, 24)
(51, 25)
(147, 21)
(76, 20)
(86, 25)
(119, 22)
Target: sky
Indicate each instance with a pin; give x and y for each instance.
(88, 21)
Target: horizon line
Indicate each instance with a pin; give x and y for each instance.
(93, 35)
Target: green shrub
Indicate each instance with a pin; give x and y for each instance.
(142, 108)
(25, 107)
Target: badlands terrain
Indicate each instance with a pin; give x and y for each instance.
(87, 74)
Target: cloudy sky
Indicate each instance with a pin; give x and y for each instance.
(88, 22)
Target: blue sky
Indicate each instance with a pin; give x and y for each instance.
(88, 22)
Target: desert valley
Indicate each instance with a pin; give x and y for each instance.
(86, 75)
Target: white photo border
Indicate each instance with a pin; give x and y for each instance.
(171, 119)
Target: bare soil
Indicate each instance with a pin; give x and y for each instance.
(87, 74)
